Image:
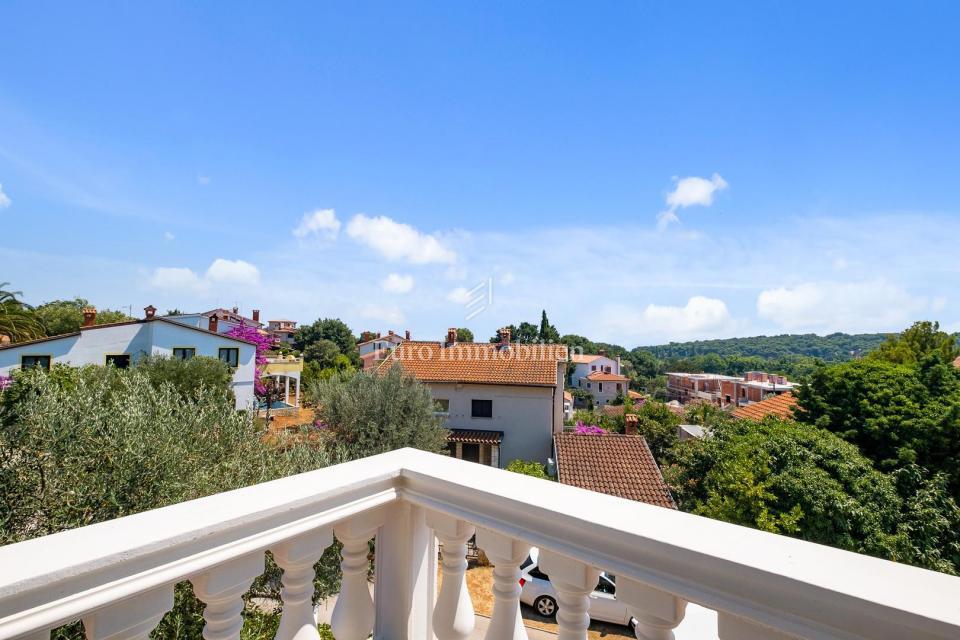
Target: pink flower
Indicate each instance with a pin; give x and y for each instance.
(584, 429)
(5, 381)
(262, 343)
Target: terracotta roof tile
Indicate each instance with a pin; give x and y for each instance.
(475, 436)
(780, 406)
(618, 465)
(603, 376)
(480, 362)
(583, 358)
(612, 410)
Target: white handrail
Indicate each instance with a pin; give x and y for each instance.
(796, 587)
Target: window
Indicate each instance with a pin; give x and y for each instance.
(441, 405)
(607, 369)
(606, 586)
(619, 387)
(231, 356)
(600, 387)
(481, 408)
(470, 452)
(593, 367)
(27, 362)
(184, 353)
(119, 360)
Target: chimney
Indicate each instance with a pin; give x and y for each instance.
(236, 310)
(149, 312)
(505, 336)
(89, 316)
(630, 424)
(391, 333)
(212, 325)
(407, 334)
(256, 315)
(602, 352)
(451, 335)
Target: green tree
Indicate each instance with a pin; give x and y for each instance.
(332, 329)
(18, 320)
(896, 414)
(373, 413)
(66, 316)
(188, 377)
(658, 424)
(790, 478)
(547, 332)
(464, 335)
(324, 352)
(920, 343)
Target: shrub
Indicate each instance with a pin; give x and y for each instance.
(528, 468)
(369, 413)
(187, 376)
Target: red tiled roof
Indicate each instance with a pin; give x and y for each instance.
(612, 410)
(780, 406)
(618, 465)
(475, 436)
(479, 362)
(603, 376)
(583, 358)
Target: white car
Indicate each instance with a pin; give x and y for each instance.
(537, 591)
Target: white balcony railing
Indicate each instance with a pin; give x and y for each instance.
(118, 576)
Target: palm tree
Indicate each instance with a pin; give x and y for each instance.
(17, 320)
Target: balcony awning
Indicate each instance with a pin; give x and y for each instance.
(475, 436)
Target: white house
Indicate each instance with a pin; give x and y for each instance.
(501, 401)
(374, 351)
(122, 343)
(600, 375)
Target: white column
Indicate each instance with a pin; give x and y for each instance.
(406, 575)
(574, 581)
(506, 554)
(353, 614)
(453, 617)
(222, 589)
(286, 388)
(657, 612)
(296, 557)
(731, 627)
(130, 619)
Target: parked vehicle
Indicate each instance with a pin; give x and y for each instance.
(537, 591)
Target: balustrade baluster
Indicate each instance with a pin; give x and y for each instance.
(574, 581)
(296, 557)
(453, 617)
(657, 612)
(222, 589)
(506, 554)
(353, 614)
(130, 619)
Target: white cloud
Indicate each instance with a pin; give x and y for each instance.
(690, 191)
(203, 180)
(382, 314)
(840, 306)
(460, 295)
(396, 283)
(168, 236)
(4, 199)
(175, 278)
(507, 278)
(699, 317)
(224, 271)
(322, 223)
(397, 241)
(221, 272)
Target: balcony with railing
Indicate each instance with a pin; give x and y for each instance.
(119, 576)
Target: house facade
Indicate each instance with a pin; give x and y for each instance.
(600, 375)
(755, 386)
(123, 343)
(501, 401)
(282, 330)
(375, 350)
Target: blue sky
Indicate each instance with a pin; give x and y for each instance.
(645, 172)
